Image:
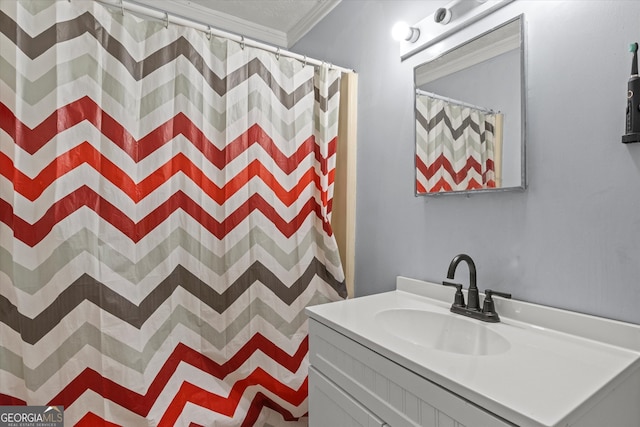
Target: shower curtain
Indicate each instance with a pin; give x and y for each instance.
(165, 206)
(455, 146)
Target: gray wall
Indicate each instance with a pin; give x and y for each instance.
(572, 239)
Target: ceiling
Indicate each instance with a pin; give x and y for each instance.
(277, 22)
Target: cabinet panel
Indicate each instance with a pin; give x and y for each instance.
(331, 407)
(394, 393)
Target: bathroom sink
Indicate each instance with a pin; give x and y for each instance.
(442, 331)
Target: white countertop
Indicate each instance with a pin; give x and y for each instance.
(548, 377)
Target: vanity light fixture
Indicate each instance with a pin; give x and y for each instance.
(444, 22)
(401, 31)
(442, 16)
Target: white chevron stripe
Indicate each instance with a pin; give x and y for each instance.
(130, 113)
(35, 24)
(85, 218)
(195, 377)
(115, 71)
(14, 386)
(140, 378)
(423, 181)
(91, 401)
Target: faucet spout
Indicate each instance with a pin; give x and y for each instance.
(474, 299)
(488, 312)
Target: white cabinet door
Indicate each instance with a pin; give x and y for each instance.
(396, 394)
(330, 406)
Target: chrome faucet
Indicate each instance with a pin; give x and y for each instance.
(472, 309)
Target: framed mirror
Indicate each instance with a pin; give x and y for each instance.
(470, 115)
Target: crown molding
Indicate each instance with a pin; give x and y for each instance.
(310, 20)
(219, 20)
(233, 24)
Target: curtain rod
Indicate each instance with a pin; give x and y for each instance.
(207, 29)
(455, 101)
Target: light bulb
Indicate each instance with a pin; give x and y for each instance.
(401, 31)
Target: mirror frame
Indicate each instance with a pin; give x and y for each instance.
(523, 117)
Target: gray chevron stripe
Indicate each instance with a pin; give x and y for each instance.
(89, 289)
(62, 73)
(34, 91)
(86, 23)
(138, 361)
(31, 281)
(447, 140)
(441, 116)
(334, 89)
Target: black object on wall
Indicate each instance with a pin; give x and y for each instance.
(632, 128)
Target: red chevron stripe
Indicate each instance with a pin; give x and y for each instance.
(85, 153)
(456, 176)
(7, 400)
(261, 401)
(473, 185)
(84, 109)
(441, 185)
(141, 404)
(85, 196)
(190, 393)
(443, 162)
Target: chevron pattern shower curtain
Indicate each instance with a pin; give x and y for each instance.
(165, 203)
(454, 146)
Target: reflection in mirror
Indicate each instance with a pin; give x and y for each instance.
(469, 106)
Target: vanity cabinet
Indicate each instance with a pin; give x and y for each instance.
(388, 360)
(351, 385)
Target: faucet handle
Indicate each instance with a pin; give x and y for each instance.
(459, 296)
(488, 306)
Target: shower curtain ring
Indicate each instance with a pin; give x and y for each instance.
(242, 42)
(304, 62)
(121, 7)
(209, 33)
(278, 54)
(166, 19)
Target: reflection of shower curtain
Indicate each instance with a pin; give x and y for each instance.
(164, 219)
(454, 146)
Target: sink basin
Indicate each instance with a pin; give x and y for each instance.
(442, 331)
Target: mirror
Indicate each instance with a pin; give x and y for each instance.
(470, 116)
